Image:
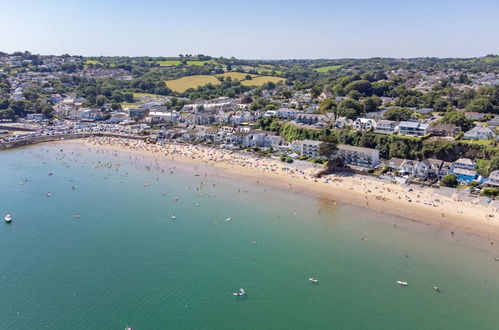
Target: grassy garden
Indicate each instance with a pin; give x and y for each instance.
(324, 69)
(178, 62)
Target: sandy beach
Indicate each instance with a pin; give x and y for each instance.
(421, 204)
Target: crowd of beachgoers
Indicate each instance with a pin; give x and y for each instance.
(412, 201)
(60, 131)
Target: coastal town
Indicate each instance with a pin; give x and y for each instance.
(275, 121)
(227, 165)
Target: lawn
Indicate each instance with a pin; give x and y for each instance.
(477, 142)
(177, 62)
(131, 105)
(236, 75)
(260, 80)
(182, 84)
(324, 69)
(94, 62)
(153, 96)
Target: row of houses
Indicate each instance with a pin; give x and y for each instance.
(409, 128)
(464, 169)
(352, 155)
(418, 128)
(228, 136)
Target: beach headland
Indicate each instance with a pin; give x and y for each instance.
(452, 214)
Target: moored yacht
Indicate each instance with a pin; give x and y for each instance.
(8, 218)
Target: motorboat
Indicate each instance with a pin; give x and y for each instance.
(228, 219)
(402, 283)
(436, 288)
(128, 327)
(240, 293)
(8, 218)
(313, 279)
(174, 217)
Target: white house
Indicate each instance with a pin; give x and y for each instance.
(359, 156)
(386, 126)
(364, 124)
(493, 179)
(413, 128)
(465, 164)
(479, 133)
(309, 148)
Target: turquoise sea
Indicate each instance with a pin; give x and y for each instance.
(125, 260)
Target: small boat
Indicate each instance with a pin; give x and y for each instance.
(240, 293)
(228, 219)
(175, 198)
(8, 218)
(128, 327)
(77, 215)
(313, 279)
(436, 288)
(402, 283)
(146, 184)
(174, 217)
(49, 194)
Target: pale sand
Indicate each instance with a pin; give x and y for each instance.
(426, 206)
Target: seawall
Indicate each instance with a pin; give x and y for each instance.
(49, 138)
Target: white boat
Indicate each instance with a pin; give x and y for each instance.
(8, 218)
(128, 327)
(402, 283)
(436, 288)
(240, 293)
(228, 219)
(313, 279)
(174, 217)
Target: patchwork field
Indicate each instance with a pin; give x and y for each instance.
(324, 69)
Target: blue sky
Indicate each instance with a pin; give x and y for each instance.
(255, 29)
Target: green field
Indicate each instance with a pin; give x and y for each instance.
(236, 75)
(177, 62)
(182, 84)
(94, 62)
(260, 80)
(153, 96)
(268, 71)
(328, 68)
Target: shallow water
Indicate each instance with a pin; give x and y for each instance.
(124, 260)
